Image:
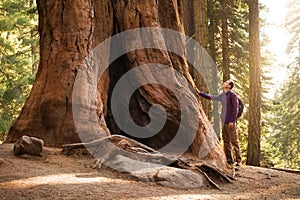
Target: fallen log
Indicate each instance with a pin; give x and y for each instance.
(295, 171)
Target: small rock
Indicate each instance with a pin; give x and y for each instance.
(28, 145)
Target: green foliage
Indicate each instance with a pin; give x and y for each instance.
(18, 39)
(237, 15)
(284, 112)
(238, 28)
(293, 26)
(239, 49)
(286, 122)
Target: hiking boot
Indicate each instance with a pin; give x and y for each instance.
(238, 164)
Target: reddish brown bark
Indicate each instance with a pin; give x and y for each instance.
(253, 149)
(69, 31)
(225, 40)
(201, 36)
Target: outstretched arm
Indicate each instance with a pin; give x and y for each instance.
(208, 96)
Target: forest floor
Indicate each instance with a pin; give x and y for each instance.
(55, 176)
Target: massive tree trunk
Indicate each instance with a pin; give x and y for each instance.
(70, 30)
(253, 149)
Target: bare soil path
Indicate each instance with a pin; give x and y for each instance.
(55, 176)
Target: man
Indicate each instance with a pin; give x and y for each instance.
(229, 102)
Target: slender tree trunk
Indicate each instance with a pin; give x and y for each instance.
(200, 18)
(213, 53)
(201, 36)
(253, 150)
(188, 17)
(225, 40)
(33, 46)
(189, 27)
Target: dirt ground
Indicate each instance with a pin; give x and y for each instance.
(55, 176)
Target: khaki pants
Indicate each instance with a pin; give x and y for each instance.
(230, 138)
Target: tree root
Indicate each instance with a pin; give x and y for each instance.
(205, 170)
(110, 146)
(106, 148)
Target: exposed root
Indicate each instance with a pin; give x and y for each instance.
(106, 148)
(210, 180)
(213, 170)
(109, 146)
(205, 170)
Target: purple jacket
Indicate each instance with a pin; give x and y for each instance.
(229, 105)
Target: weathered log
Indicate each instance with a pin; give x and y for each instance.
(295, 171)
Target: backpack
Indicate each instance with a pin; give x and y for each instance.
(240, 108)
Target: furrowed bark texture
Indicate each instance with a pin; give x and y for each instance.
(69, 31)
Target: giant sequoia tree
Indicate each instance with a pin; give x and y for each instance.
(70, 31)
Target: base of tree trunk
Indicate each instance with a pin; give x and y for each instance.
(109, 149)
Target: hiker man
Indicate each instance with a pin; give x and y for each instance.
(229, 113)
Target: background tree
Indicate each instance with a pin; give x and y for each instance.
(195, 26)
(292, 25)
(201, 36)
(253, 149)
(225, 39)
(18, 57)
(284, 123)
(236, 51)
(212, 34)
